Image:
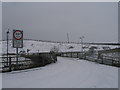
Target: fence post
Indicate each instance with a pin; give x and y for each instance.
(102, 59)
(77, 54)
(10, 64)
(112, 62)
(71, 54)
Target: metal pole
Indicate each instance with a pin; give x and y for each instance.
(7, 45)
(17, 57)
(10, 64)
(68, 37)
(82, 46)
(82, 43)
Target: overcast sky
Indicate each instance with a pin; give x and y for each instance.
(98, 22)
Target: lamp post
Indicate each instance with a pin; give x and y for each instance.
(81, 38)
(68, 37)
(7, 44)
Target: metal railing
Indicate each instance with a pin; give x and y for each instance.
(108, 60)
(26, 61)
(23, 63)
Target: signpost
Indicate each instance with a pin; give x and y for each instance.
(17, 39)
(17, 42)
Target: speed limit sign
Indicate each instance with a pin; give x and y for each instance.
(17, 38)
(18, 34)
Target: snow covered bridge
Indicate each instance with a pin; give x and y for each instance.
(66, 73)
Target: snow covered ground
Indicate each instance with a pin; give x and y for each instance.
(66, 73)
(38, 46)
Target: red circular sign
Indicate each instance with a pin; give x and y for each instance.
(18, 34)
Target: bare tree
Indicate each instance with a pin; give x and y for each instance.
(55, 49)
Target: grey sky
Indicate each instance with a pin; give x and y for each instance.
(98, 22)
(1, 21)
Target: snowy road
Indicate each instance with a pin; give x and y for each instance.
(66, 73)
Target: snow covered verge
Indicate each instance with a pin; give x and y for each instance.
(39, 46)
(66, 73)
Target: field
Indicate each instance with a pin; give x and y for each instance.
(39, 46)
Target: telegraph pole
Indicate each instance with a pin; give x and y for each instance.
(68, 37)
(7, 44)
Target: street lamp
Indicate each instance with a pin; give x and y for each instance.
(68, 37)
(7, 44)
(81, 38)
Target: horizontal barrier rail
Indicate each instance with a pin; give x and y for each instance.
(26, 61)
(108, 60)
(11, 65)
